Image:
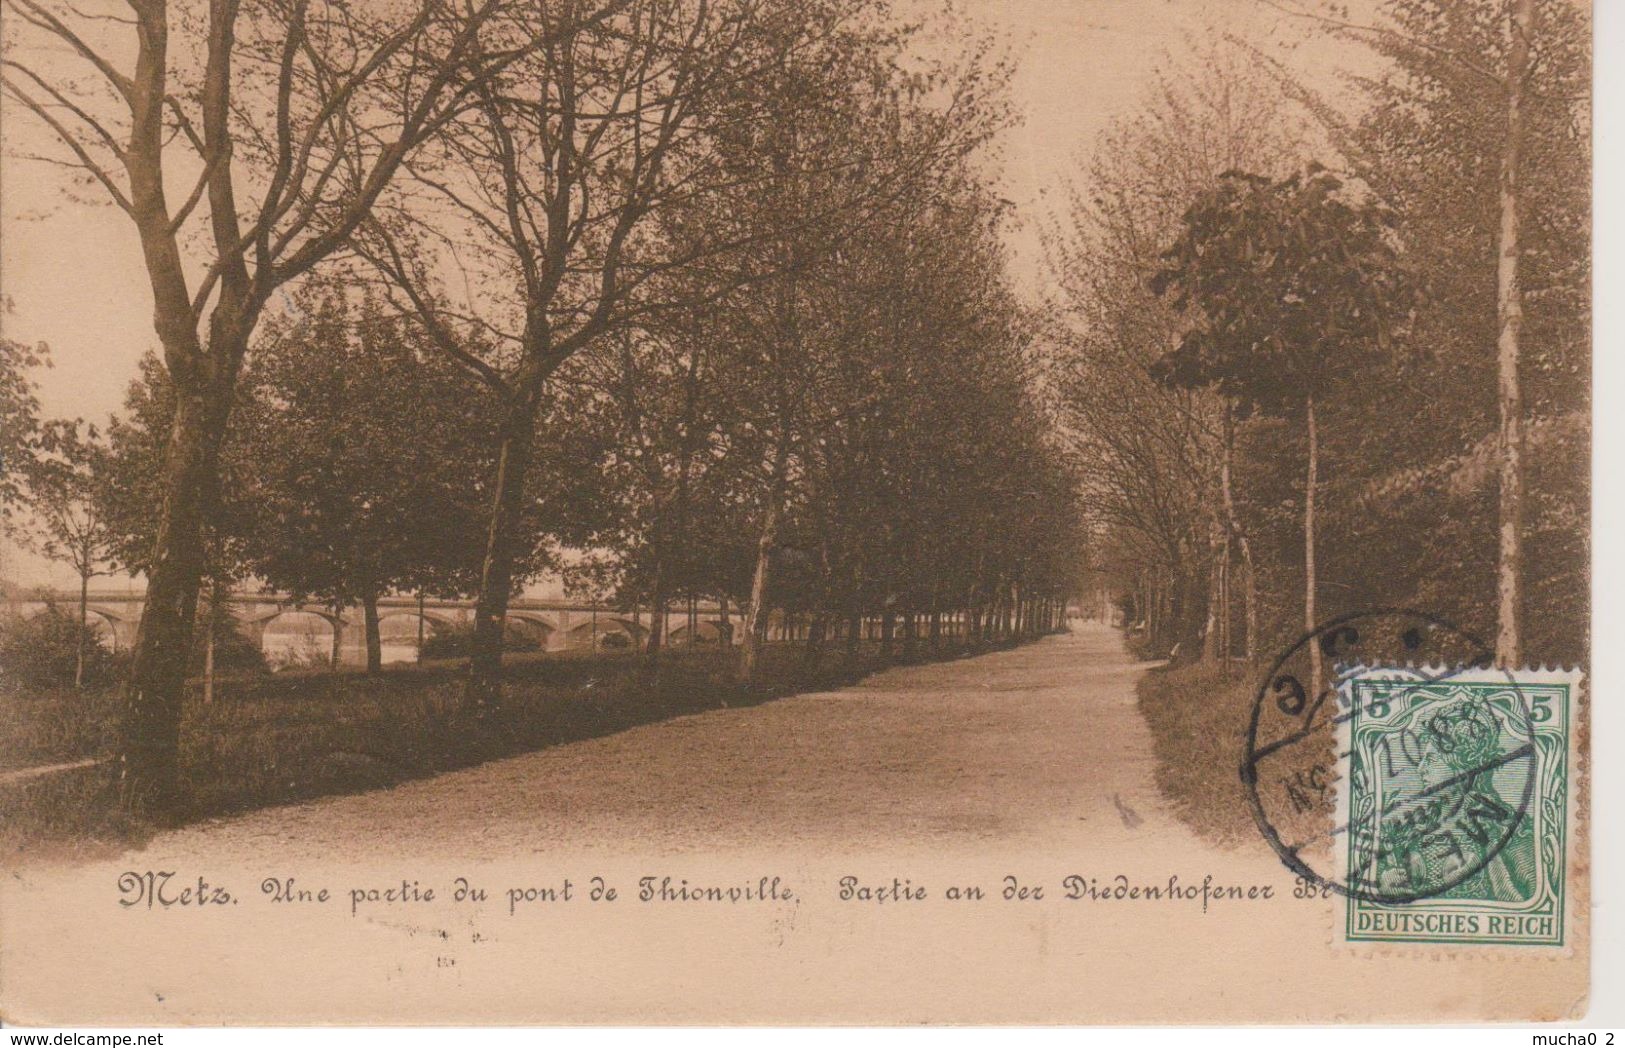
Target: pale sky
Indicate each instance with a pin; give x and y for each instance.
(73, 274)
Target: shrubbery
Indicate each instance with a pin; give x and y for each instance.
(1198, 717)
(455, 642)
(234, 651)
(40, 651)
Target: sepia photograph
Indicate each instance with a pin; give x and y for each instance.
(795, 512)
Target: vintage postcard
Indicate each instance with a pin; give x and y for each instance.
(795, 511)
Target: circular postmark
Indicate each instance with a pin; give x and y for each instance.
(1431, 748)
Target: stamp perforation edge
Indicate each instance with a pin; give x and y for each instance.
(1573, 893)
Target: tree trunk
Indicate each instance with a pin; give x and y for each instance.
(815, 640)
(1509, 318)
(149, 743)
(421, 621)
(216, 599)
(1309, 579)
(375, 643)
(484, 691)
(1250, 595)
(755, 615)
(657, 617)
(84, 625)
(208, 664)
(1185, 614)
(1211, 630)
(335, 653)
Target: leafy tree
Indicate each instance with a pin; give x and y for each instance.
(67, 523)
(1293, 289)
(842, 147)
(357, 455)
(281, 125)
(19, 422)
(131, 495)
(662, 401)
(606, 181)
(1480, 124)
(354, 469)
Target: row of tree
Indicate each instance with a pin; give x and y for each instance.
(711, 288)
(1390, 349)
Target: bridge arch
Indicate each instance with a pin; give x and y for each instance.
(265, 619)
(707, 631)
(635, 632)
(607, 631)
(399, 628)
(117, 630)
(106, 625)
(529, 624)
(292, 637)
(431, 620)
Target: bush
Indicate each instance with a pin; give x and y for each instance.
(234, 651)
(52, 725)
(40, 652)
(1198, 717)
(455, 642)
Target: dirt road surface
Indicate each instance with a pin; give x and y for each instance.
(1025, 776)
(1035, 746)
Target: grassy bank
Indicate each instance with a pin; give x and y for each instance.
(1198, 717)
(288, 740)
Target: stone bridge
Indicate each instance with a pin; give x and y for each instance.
(289, 630)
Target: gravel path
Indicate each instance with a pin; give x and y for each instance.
(1007, 774)
(1018, 747)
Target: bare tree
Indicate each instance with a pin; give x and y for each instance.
(280, 122)
(1157, 461)
(541, 197)
(1509, 322)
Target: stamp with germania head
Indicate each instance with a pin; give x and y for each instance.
(1457, 814)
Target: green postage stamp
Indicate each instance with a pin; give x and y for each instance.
(1457, 806)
